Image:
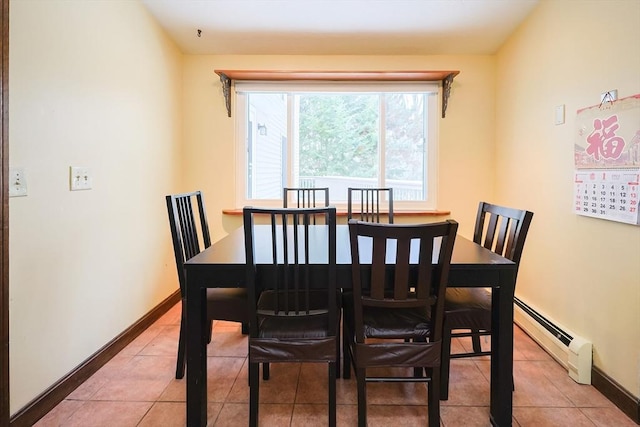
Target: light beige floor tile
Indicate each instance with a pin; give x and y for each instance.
(88, 388)
(142, 340)
(467, 385)
(551, 417)
(270, 415)
(282, 384)
(467, 416)
(313, 383)
(607, 417)
(163, 344)
(533, 388)
(149, 368)
(58, 415)
(397, 415)
(108, 414)
(139, 390)
(580, 395)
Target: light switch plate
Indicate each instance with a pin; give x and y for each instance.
(80, 178)
(17, 182)
(559, 114)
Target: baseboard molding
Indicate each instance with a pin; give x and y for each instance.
(620, 397)
(55, 394)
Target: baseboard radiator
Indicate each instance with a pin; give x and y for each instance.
(571, 351)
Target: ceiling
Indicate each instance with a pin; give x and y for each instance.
(339, 27)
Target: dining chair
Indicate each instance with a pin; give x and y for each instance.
(364, 204)
(308, 197)
(468, 310)
(293, 299)
(395, 318)
(190, 235)
(305, 197)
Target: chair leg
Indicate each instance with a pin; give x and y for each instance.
(433, 389)
(338, 341)
(333, 367)
(445, 362)
(346, 354)
(475, 341)
(254, 395)
(210, 332)
(338, 359)
(265, 371)
(182, 348)
(417, 372)
(362, 397)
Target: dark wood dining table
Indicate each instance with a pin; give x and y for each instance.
(223, 265)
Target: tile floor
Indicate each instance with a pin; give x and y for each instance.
(138, 388)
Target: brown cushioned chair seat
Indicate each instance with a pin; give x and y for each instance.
(283, 327)
(293, 327)
(468, 298)
(227, 304)
(468, 308)
(396, 323)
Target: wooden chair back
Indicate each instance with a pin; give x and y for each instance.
(188, 223)
(305, 197)
(402, 273)
(301, 258)
(502, 229)
(364, 204)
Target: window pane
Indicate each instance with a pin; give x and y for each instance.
(405, 148)
(337, 141)
(266, 145)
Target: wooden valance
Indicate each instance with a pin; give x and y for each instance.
(446, 77)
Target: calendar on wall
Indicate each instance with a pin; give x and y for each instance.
(608, 194)
(607, 161)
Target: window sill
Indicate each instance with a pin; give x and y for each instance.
(342, 212)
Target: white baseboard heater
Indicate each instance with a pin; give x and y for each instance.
(571, 351)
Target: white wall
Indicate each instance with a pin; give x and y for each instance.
(466, 148)
(93, 84)
(583, 273)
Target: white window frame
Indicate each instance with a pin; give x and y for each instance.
(432, 123)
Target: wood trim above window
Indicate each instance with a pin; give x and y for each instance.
(446, 77)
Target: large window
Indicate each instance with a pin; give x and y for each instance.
(337, 136)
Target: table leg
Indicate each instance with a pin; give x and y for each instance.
(501, 407)
(196, 355)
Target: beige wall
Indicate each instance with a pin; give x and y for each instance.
(583, 273)
(466, 149)
(93, 84)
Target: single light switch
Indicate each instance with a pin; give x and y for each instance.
(560, 114)
(17, 182)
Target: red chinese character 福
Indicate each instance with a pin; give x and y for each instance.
(603, 140)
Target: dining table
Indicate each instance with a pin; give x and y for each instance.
(223, 265)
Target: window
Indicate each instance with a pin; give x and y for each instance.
(313, 134)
